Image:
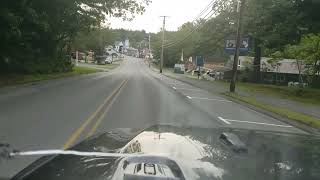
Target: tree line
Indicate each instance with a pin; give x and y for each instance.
(36, 35)
(286, 27)
(98, 38)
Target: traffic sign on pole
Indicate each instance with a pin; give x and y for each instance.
(199, 61)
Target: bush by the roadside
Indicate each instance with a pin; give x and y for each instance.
(40, 65)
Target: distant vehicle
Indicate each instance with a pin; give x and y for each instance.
(108, 60)
(179, 68)
(81, 56)
(100, 59)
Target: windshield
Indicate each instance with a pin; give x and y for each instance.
(198, 80)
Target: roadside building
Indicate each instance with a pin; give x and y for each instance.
(271, 71)
(210, 63)
(118, 45)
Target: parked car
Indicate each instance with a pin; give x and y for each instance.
(108, 60)
(81, 56)
(100, 59)
(179, 68)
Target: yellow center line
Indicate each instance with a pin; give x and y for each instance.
(98, 122)
(78, 132)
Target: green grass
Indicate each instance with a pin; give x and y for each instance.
(13, 79)
(303, 118)
(83, 70)
(306, 96)
(303, 95)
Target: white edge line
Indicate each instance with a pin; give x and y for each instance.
(267, 124)
(189, 97)
(211, 99)
(189, 89)
(177, 84)
(224, 120)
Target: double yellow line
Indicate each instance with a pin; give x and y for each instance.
(99, 113)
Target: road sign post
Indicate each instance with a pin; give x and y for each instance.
(199, 63)
(77, 58)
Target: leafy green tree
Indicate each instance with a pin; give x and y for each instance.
(93, 40)
(274, 24)
(201, 37)
(307, 52)
(271, 26)
(35, 34)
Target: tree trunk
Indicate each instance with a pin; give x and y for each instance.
(300, 76)
(257, 60)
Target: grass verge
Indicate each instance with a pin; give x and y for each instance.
(306, 96)
(13, 79)
(303, 95)
(303, 118)
(84, 70)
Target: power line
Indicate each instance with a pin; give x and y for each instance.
(214, 8)
(200, 14)
(204, 10)
(188, 35)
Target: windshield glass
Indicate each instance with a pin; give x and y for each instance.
(195, 87)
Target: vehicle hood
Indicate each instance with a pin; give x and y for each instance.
(198, 152)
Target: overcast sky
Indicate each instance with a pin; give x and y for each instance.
(180, 11)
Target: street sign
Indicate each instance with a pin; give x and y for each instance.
(199, 61)
(230, 45)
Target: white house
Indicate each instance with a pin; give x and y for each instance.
(117, 45)
(287, 66)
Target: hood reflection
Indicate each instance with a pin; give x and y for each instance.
(198, 152)
(189, 153)
(168, 144)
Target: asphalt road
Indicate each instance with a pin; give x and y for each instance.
(59, 113)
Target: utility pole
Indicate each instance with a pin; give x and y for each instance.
(149, 50)
(149, 43)
(162, 45)
(240, 9)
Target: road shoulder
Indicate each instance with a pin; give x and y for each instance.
(221, 90)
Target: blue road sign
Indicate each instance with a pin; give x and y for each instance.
(230, 46)
(200, 61)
